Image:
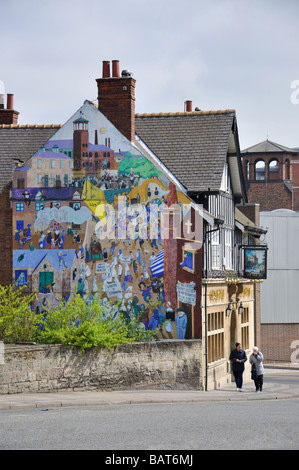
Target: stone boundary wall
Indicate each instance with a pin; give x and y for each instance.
(164, 365)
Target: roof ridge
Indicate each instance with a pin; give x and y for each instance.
(192, 113)
(279, 146)
(268, 143)
(30, 126)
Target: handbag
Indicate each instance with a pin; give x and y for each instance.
(253, 371)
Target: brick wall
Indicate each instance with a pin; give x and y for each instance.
(271, 195)
(6, 231)
(279, 341)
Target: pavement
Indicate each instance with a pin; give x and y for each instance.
(273, 390)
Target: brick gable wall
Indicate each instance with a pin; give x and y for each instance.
(6, 231)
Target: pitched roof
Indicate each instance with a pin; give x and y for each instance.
(192, 146)
(20, 142)
(267, 146)
(247, 224)
(51, 155)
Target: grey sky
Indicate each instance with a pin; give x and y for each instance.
(219, 53)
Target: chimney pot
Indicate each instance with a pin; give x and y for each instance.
(106, 69)
(115, 68)
(188, 105)
(9, 101)
(1, 101)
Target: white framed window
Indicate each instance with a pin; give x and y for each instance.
(215, 249)
(39, 164)
(228, 249)
(61, 163)
(52, 163)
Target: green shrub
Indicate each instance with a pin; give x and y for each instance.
(72, 323)
(17, 319)
(89, 325)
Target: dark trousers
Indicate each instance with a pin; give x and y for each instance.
(259, 382)
(238, 374)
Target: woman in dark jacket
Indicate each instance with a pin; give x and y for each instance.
(238, 358)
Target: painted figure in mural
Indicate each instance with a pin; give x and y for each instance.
(77, 238)
(61, 257)
(49, 237)
(17, 235)
(94, 287)
(153, 322)
(161, 295)
(181, 323)
(162, 313)
(188, 261)
(42, 243)
(27, 198)
(145, 292)
(48, 288)
(169, 312)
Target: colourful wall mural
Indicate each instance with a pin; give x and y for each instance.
(93, 216)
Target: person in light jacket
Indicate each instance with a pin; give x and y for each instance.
(256, 360)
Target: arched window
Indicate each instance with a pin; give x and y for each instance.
(260, 170)
(287, 175)
(274, 170)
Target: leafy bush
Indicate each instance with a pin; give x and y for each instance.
(73, 323)
(90, 325)
(17, 319)
(76, 323)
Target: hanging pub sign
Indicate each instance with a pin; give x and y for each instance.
(255, 263)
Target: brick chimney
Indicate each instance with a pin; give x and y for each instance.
(295, 177)
(116, 98)
(8, 115)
